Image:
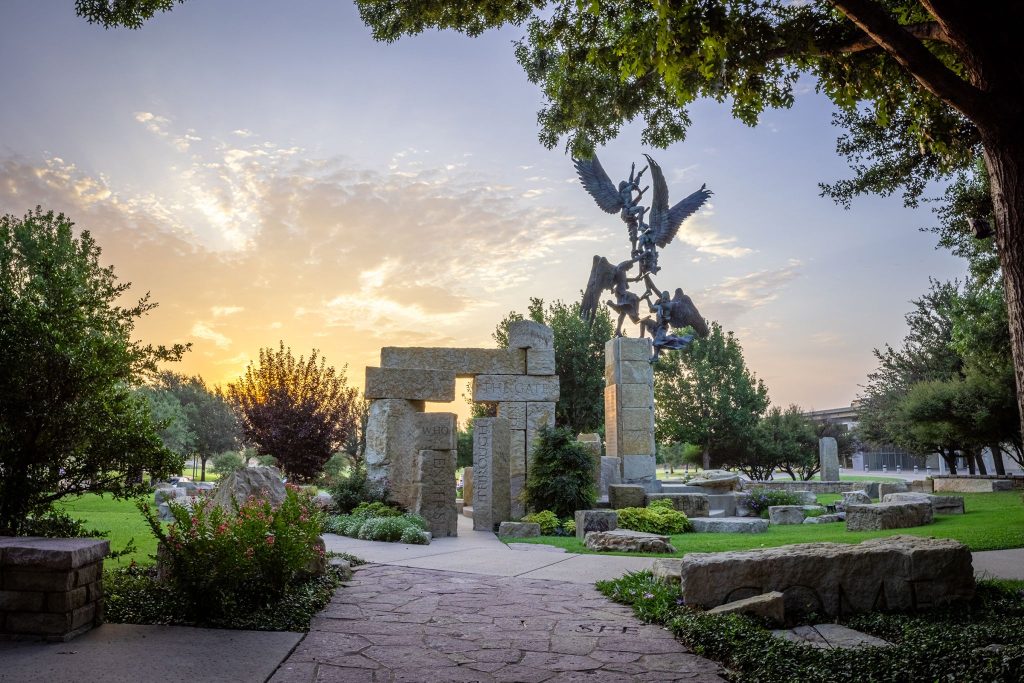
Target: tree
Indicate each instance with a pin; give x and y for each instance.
(785, 439)
(579, 360)
(299, 411)
(561, 477)
(69, 420)
(167, 411)
(707, 396)
(207, 413)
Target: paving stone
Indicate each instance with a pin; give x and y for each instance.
(482, 628)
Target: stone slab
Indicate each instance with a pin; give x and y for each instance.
(830, 636)
(628, 348)
(828, 455)
(963, 485)
(636, 419)
(902, 573)
(51, 554)
(730, 525)
(667, 569)
(640, 470)
(885, 488)
(519, 529)
(595, 520)
(464, 362)
(491, 487)
(540, 362)
(592, 442)
(941, 505)
(435, 431)
(412, 385)
(691, 504)
(770, 606)
(619, 396)
(782, 515)
(722, 501)
(391, 448)
(628, 372)
(627, 541)
(527, 334)
(539, 414)
(856, 498)
(435, 492)
(517, 469)
(881, 516)
(826, 519)
(497, 388)
(514, 412)
(626, 496)
(611, 473)
(467, 485)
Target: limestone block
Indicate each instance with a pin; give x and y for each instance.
(871, 489)
(722, 501)
(538, 414)
(899, 573)
(828, 454)
(856, 498)
(467, 485)
(595, 520)
(624, 540)
(514, 412)
(391, 450)
(414, 385)
(807, 497)
(963, 485)
(517, 469)
(52, 554)
(887, 516)
(611, 473)
(435, 499)
(519, 529)
(730, 525)
(667, 569)
(941, 505)
(628, 348)
(540, 361)
(717, 481)
(527, 334)
(640, 469)
(592, 442)
(491, 487)
(691, 504)
(637, 420)
(435, 431)
(266, 482)
(885, 488)
(636, 442)
(619, 396)
(830, 637)
(628, 372)
(825, 519)
(626, 496)
(782, 515)
(770, 606)
(496, 388)
(463, 362)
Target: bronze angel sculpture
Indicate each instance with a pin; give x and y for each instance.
(645, 238)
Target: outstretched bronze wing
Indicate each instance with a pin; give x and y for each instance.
(683, 313)
(598, 184)
(602, 277)
(664, 221)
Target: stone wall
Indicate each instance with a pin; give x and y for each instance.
(50, 588)
(812, 486)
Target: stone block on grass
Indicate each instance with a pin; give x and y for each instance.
(882, 516)
(626, 496)
(519, 529)
(781, 515)
(770, 606)
(624, 540)
(595, 520)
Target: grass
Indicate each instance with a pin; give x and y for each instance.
(993, 521)
(121, 519)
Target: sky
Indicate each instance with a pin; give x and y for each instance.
(268, 172)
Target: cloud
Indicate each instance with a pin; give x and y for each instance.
(695, 232)
(204, 331)
(221, 311)
(737, 295)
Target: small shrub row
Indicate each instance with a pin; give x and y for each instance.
(760, 499)
(550, 525)
(380, 522)
(657, 518)
(350, 491)
(952, 644)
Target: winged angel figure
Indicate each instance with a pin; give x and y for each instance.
(645, 240)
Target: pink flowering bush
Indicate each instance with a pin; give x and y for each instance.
(220, 560)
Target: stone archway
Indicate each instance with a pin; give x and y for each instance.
(414, 451)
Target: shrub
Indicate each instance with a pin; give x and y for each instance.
(547, 520)
(226, 463)
(218, 562)
(380, 522)
(569, 526)
(356, 488)
(376, 509)
(657, 518)
(761, 499)
(561, 477)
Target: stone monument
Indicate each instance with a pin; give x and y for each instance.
(491, 490)
(629, 410)
(828, 451)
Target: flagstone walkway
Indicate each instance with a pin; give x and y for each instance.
(395, 624)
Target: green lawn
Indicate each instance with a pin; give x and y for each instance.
(993, 521)
(121, 519)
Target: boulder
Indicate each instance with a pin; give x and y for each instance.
(519, 529)
(730, 525)
(626, 496)
(324, 500)
(941, 505)
(769, 606)
(716, 481)
(265, 482)
(887, 516)
(785, 514)
(897, 573)
(595, 520)
(856, 498)
(888, 487)
(922, 485)
(624, 540)
(666, 569)
(743, 508)
(871, 489)
(807, 497)
(691, 504)
(825, 519)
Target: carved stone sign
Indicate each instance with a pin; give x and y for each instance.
(491, 491)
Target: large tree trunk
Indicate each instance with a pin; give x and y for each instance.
(1004, 157)
(997, 459)
(979, 457)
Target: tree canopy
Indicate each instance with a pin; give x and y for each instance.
(299, 411)
(69, 420)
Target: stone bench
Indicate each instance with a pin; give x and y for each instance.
(900, 573)
(941, 505)
(52, 588)
(887, 516)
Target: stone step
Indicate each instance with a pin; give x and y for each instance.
(717, 513)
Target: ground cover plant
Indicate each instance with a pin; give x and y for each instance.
(379, 522)
(657, 518)
(760, 499)
(550, 525)
(994, 521)
(950, 644)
